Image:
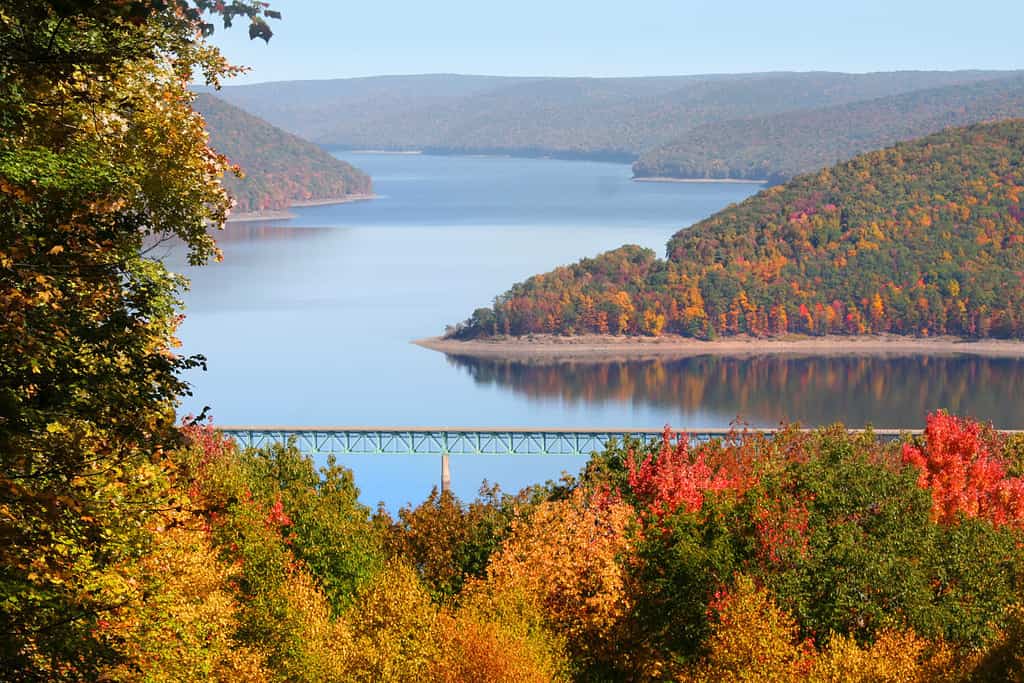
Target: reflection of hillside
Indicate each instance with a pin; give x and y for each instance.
(252, 231)
(863, 390)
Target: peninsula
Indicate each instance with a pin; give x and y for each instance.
(279, 170)
(921, 240)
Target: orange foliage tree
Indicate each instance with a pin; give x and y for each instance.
(567, 554)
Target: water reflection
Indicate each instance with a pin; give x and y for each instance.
(861, 390)
(256, 231)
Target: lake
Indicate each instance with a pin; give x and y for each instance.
(308, 322)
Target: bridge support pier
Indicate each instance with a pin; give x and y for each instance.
(446, 474)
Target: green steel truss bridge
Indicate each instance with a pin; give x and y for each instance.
(462, 441)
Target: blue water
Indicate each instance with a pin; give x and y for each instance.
(308, 321)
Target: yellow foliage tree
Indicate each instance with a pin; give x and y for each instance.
(392, 624)
(752, 640)
(320, 650)
(626, 310)
(567, 554)
(896, 657)
(653, 323)
(182, 630)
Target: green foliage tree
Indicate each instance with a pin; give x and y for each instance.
(328, 529)
(834, 527)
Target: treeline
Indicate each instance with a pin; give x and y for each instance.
(818, 556)
(924, 238)
(278, 167)
(777, 147)
(604, 118)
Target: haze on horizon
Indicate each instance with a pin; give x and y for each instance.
(318, 39)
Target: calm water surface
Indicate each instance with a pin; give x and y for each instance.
(308, 322)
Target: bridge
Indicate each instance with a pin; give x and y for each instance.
(321, 441)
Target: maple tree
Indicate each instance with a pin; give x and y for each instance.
(813, 556)
(448, 542)
(962, 463)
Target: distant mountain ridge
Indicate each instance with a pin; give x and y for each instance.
(280, 168)
(784, 145)
(604, 118)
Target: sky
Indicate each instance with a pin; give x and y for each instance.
(342, 39)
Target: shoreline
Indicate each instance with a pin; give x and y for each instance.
(284, 214)
(668, 179)
(611, 348)
(400, 152)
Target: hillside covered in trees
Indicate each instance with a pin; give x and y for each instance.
(923, 238)
(609, 118)
(783, 145)
(279, 168)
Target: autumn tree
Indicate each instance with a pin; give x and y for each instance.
(565, 555)
(101, 156)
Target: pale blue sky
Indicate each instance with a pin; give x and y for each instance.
(339, 38)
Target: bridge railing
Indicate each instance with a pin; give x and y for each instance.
(465, 441)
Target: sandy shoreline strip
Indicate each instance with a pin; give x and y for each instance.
(665, 179)
(400, 152)
(284, 214)
(606, 348)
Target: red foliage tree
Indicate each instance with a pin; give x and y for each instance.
(961, 462)
(676, 477)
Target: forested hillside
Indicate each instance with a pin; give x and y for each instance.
(279, 167)
(617, 118)
(777, 147)
(924, 238)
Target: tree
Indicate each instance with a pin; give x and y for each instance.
(101, 156)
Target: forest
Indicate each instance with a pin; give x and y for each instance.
(774, 148)
(597, 118)
(277, 168)
(924, 238)
(817, 555)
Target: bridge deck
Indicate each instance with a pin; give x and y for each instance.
(465, 440)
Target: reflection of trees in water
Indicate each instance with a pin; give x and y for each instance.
(256, 231)
(885, 391)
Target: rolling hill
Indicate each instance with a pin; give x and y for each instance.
(923, 238)
(279, 167)
(783, 145)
